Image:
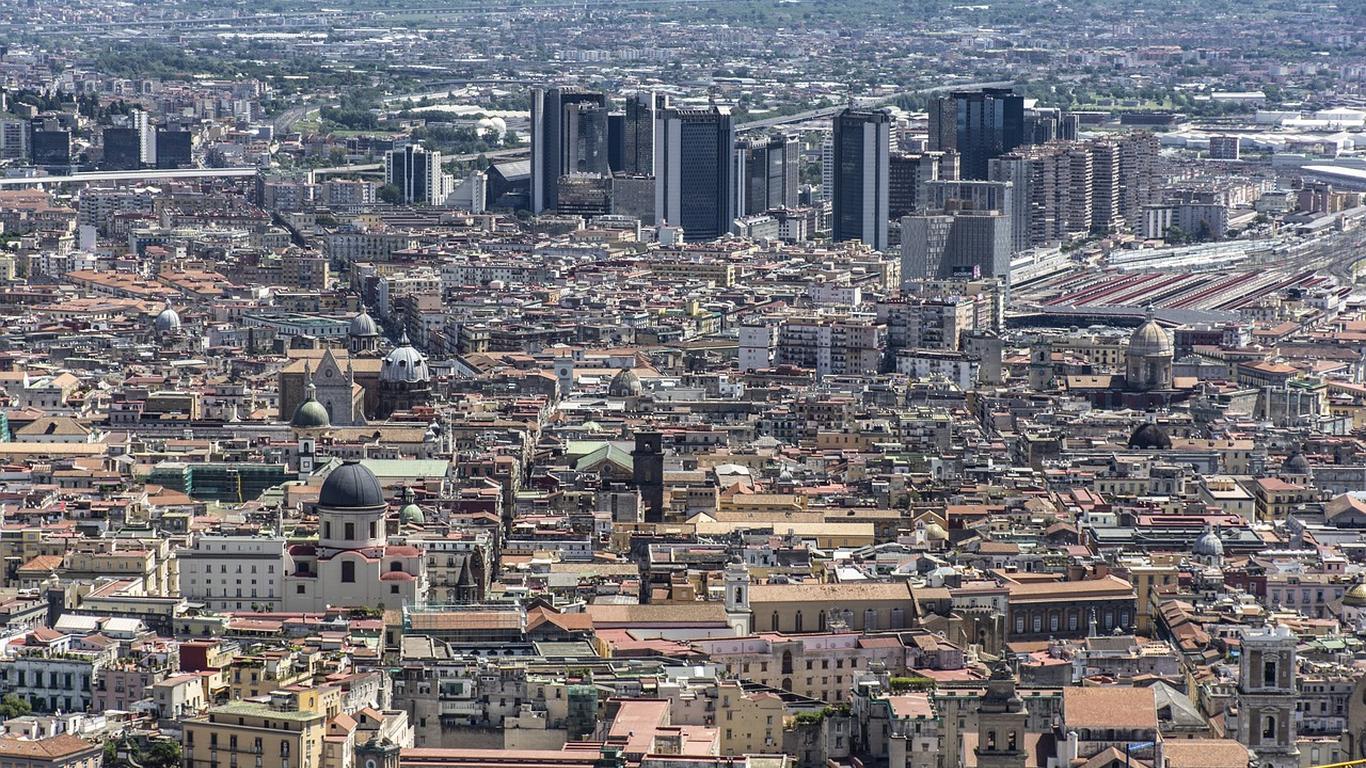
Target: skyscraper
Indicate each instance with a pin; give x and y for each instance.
(122, 149)
(173, 148)
(986, 124)
(859, 183)
(766, 174)
(693, 149)
(561, 143)
(417, 174)
(955, 244)
(638, 132)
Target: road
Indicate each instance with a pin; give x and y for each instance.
(824, 112)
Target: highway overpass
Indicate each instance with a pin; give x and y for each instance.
(147, 175)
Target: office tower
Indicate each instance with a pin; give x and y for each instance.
(955, 244)
(693, 149)
(584, 194)
(638, 132)
(49, 143)
(557, 146)
(907, 175)
(973, 195)
(416, 173)
(616, 140)
(943, 124)
(586, 139)
(122, 149)
(986, 124)
(1040, 125)
(173, 148)
(766, 174)
(861, 144)
(1069, 125)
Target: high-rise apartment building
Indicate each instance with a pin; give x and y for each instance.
(13, 139)
(693, 163)
(860, 176)
(569, 133)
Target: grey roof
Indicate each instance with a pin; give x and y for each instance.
(514, 170)
(351, 486)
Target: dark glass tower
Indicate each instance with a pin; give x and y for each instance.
(560, 143)
(693, 171)
(860, 192)
(986, 124)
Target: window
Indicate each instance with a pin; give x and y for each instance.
(350, 531)
(1269, 727)
(372, 529)
(348, 572)
(1269, 673)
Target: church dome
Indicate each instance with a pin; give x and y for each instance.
(1151, 340)
(310, 414)
(412, 514)
(363, 326)
(351, 486)
(404, 365)
(1208, 544)
(1149, 437)
(625, 384)
(167, 321)
(1356, 596)
(936, 532)
(1295, 464)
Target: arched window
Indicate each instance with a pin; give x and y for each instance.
(1269, 727)
(798, 622)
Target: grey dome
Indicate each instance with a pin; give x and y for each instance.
(1150, 437)
(351, 486)
(1151, 340)
(167, 321)
(404, 365)
(1208, 544)
(625, 384)
(310, 414)
(1295, 464)
(363, 326)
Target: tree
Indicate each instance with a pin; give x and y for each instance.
(390, 194)
(13, 705)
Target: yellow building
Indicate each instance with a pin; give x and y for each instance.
(244, 733)
(749, 723)
(1150, 581)
(826, 535)
(794, 608)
